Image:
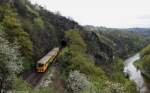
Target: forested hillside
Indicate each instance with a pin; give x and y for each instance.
(146, 60)
(143, 31)
(144, 63)
(92, 61)
(126, 41)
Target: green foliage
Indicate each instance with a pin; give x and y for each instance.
(118, 71)
(105, 86)
(138, 64)
(126, 42)
(105, 40)
(74, 57)
(11, 22)
(49, 89)
(25, 9)
(13, 28)
(44, 28)
(145, 51)
(144, 62)
(76, 42)
(77, 82)
(11, 62)
(31, 10)
(99, 47)
(21, 22)
(20, 85)
(39, 23)
(118, 76)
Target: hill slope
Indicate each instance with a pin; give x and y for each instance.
(90, 61)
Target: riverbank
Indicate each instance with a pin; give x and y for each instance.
(146, 76)
(135, 74)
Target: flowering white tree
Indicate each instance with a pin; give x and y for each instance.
(77, 82)
(10, 62)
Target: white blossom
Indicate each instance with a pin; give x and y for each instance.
(77, 82)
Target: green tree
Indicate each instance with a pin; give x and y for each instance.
(13, 28)
(11, 62)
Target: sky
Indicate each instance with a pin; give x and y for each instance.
(108, 13)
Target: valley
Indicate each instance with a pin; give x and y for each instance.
(92, 60)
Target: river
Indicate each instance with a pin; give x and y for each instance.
(135, 74)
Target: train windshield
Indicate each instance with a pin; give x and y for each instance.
(40, 65)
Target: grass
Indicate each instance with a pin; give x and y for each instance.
(138, 64)
(20, 85)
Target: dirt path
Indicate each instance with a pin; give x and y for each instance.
(57, 81)
(33, 78)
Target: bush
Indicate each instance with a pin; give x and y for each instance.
(118, 76)
(39, 23)
(10, 62)
(144, 62)
(13, 29)
(23, 86)
(49, 89)
(77, 82)
(75, 58)
(145, 51)
(76, 43)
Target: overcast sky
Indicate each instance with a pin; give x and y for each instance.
(109, 13)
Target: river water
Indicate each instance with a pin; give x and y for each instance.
(135, 74)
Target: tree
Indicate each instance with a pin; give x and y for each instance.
(13, 28)
(10, 62)
(77, 82)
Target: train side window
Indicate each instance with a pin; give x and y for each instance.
(40, 65)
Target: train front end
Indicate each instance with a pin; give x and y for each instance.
(43, 63)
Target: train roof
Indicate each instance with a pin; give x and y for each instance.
(44, 59)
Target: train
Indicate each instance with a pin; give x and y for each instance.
(43, 63)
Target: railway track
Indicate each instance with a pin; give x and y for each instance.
(34, 78)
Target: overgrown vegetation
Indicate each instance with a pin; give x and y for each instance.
(118, 76)
(74, 57)
(13, 29)
(11, 64)
(89, 64)
(126, 42)
(144, 62)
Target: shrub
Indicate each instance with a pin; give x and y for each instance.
(10, 62)
(118, 76)
(13, 29)
(144, 63)
(145, 51)
(76, 43)
(39, 22)
(77, 82)
(75, 57)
